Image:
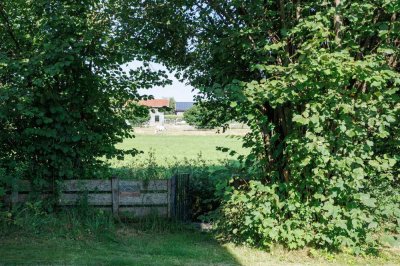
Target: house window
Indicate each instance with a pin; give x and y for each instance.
(157, 118)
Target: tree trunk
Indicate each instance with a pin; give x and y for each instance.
(337, 21)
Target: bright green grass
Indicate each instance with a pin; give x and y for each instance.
(169, 148)
(187, 247)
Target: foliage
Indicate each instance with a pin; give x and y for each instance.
(199, 117)
(140, 115)
(262, 215)
(63, 92)
(318, 85)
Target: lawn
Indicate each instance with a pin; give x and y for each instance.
(130, 248)
(169, 148)
(187, 247)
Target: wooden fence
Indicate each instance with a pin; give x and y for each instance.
(165, 198)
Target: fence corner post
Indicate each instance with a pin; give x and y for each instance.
(172, 197)
(115, 196)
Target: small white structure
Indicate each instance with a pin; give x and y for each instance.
(157, 116)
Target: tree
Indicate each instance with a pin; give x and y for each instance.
(172, 106)
(196, 117)
(318, 84)
(63, 92)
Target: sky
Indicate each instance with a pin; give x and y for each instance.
(178, 90)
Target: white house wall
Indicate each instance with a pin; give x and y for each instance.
(155, 112)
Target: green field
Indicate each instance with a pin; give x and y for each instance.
(171, 148)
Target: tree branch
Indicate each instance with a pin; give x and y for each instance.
(7, 22)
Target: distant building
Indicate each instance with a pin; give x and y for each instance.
(157, 116)
(182, 107)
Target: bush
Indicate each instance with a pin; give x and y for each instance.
(200, 117)
(337, 218)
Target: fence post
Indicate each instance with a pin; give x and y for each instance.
(14, 197)
(115, 196)
(172, 197)
(186, 197)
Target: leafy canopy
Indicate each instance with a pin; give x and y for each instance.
(63, 93)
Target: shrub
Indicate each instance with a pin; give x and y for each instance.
(337, 218)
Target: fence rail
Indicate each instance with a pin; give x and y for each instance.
(136, 197)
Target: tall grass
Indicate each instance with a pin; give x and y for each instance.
(151, 168)
(81, 222)
(34, 218)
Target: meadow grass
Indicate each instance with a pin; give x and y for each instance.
(168, 148)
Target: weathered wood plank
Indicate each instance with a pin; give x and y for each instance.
(22, 197)
(14, 198)
(93, 199)
(104, 199)
(169, 198)
(124, 199)
(102, 185)
(145, 211)
(138, 211)
(115, 195)
(86, 185)
(144, 199)
(139, 185)
(23, 186)
(172, 192)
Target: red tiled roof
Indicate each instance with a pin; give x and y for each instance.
(156, 103)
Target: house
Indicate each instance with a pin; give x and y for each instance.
(156, 113)
(182, 107)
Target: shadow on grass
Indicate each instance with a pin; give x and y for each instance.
(128, 247)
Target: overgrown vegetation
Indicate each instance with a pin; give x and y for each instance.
(199, 117)
(204, 178)
(318, 84)
(34, 218)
